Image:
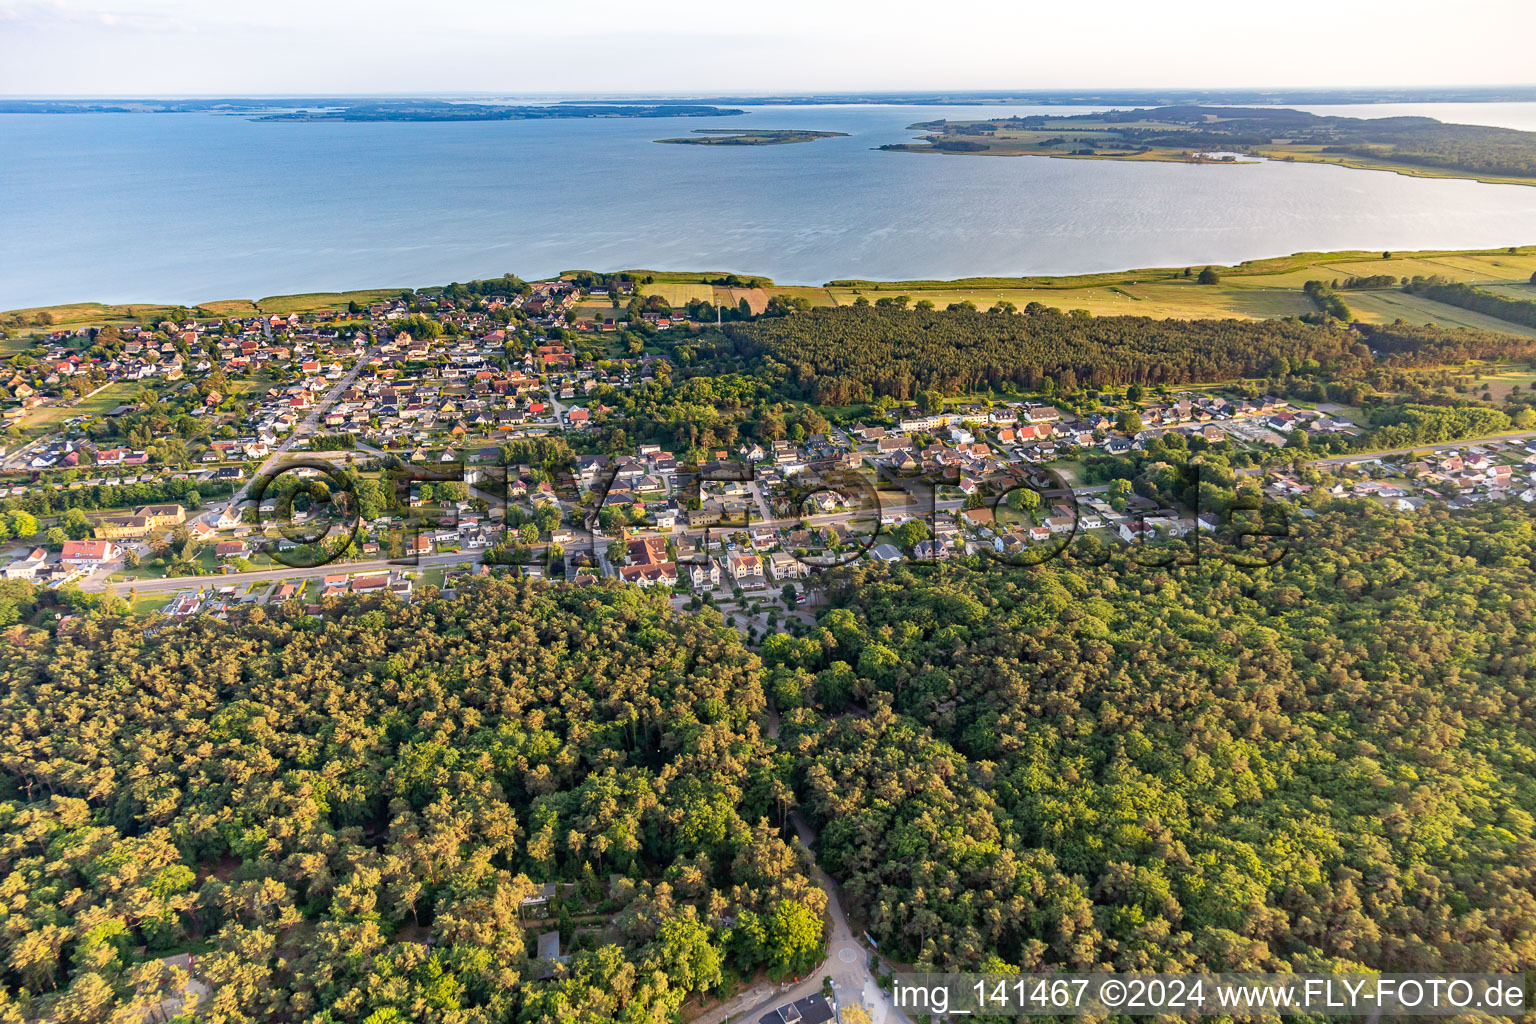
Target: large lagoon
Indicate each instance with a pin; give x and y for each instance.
(196, 207)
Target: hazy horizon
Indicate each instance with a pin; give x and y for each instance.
(88, 48)
(1386, 90)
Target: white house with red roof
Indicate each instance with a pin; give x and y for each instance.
(89, 553)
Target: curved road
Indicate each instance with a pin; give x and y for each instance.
(847, 964)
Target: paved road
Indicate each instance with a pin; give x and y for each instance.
(300, 429)
(177, 583)
(1340, 460)
(847, 964)
(20, 458)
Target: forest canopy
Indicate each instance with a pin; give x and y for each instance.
(840, 355)
(356, 816)
(1317, 766)
(348, 818)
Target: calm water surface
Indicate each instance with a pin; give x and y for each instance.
(194, 207)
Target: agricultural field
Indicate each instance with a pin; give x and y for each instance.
(1500, 382)
(80, 314)
(1513, 291)
(324, 300)
(1386, 306)
(1171, 299)
(680, 293)
(1255, 290)
(757, 298)
(815, 296)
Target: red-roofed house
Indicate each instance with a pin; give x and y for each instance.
(89, 553)
(230, 549)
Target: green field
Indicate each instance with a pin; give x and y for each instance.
(1384, 307)
(325, 300)
(679, 293)
(1256, 289)
(108, 398)
(1501, 381)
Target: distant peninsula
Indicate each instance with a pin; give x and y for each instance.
(1418, 146)
(369, 109)
(749, 137)
(433, 111)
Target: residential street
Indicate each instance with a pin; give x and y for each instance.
(1344, 460)
(178, 583)
(303, 428)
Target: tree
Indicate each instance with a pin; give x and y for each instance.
(76, 524)
(1129, 421)
(1209, 276)
(909, 533)
(792, 938)
(690, 958)
(1023, 499)
(22, 524)
(55, 538)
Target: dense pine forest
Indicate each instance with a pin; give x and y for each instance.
(841, 355)
(347, 818)
(1313, 766)
(1323, 764)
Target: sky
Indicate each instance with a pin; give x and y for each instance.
(289, 47)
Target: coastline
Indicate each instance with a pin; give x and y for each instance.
(1253, 289)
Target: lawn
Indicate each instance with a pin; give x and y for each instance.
(143, 604)
(142, 571)
(103, 401)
